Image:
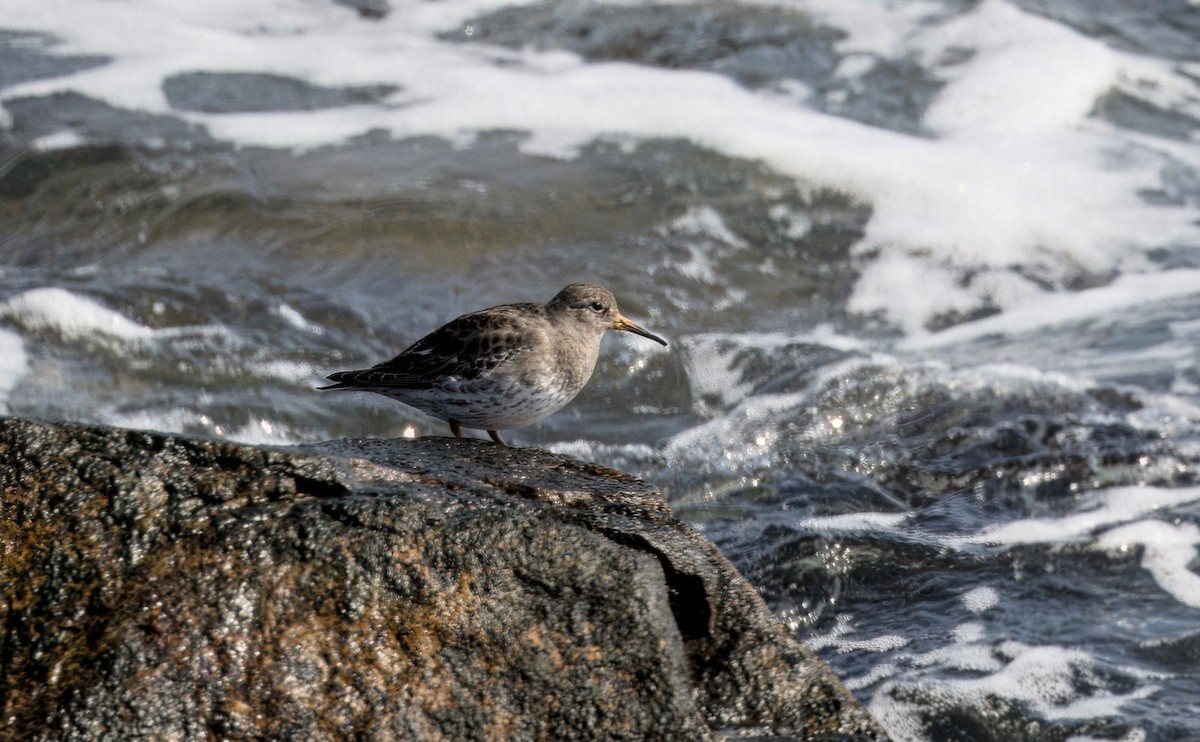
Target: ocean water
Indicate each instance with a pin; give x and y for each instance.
(930, 271)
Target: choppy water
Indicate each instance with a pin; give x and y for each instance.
(930, 269)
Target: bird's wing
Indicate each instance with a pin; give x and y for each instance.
(466, 348)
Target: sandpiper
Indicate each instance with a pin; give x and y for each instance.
(504, 367)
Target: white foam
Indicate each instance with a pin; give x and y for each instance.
(1112, 507)
(14, 363)
(743, 436)
(1041, 678)
(63, 139)
(871, 28)
(1166, 414)
(839, 638)
(708, 242)
(964, 657)
(970, 632)
(709, 359)
(1167, 552)
(881, 643)
(1018, 176)
(706, 222)
(1101, 704)
(176, 419)
(294, 318)
(1027, 75)
(710, 371)
(980, 599)
(882, 671)
(796, 224)
(72, 316)
(1049, 309)
(1157, 83)
(841, 627)
(258, 432)
(865, 522)
(293, 371)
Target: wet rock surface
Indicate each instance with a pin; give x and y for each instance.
(167, 587)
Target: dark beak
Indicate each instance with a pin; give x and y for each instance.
(620, 323)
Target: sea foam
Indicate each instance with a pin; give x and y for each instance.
(72, 316)
(1017, 172)
(14, 362)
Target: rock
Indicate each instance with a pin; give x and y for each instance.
(161, 587)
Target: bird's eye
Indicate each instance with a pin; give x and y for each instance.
(597, 306)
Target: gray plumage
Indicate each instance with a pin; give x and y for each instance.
(504, 367)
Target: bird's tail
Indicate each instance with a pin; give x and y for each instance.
(342, 380)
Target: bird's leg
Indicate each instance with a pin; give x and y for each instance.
(456, 429)
(496, 437)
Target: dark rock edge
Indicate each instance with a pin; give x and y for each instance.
(161, 586)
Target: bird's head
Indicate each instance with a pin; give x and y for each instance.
(595, 308)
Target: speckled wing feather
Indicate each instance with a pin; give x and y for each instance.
(465, 348)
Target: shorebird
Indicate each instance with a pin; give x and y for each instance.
(500, 368)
